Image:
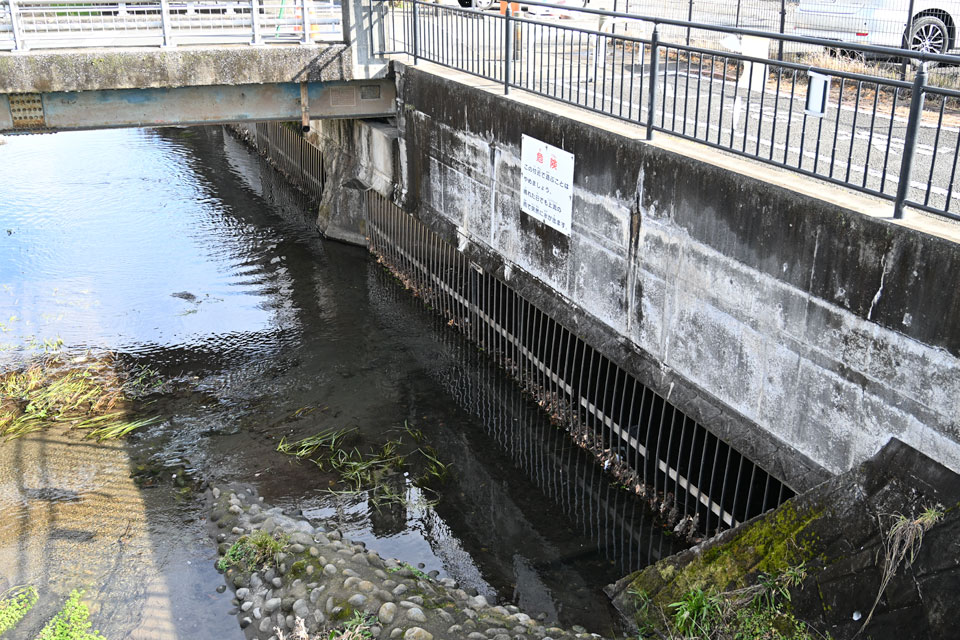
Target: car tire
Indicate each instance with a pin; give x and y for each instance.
(482, 5)
(466, 4)
(929, 35)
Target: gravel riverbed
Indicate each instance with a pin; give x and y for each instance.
(326, 580)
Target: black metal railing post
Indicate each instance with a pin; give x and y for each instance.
(910, 140)
(783, 28)
(654, 64)
(416, 33)
(507, 53)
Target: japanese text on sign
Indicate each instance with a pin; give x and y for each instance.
(546, 183)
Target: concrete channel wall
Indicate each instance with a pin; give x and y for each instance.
(803, 332)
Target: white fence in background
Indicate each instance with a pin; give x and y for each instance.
(48, 24)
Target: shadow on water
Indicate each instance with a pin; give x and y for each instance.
(269, 332)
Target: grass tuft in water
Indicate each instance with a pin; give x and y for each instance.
(15, 603)
(375, 471)
(71, 623)
(84, 393)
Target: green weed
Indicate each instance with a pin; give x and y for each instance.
(419, 575)
(14, 604)
(254, 552)
(71, 623)
(84, 394)
(696, 613)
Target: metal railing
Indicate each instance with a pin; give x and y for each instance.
(696, 480)
(46, 24)
(871, 133)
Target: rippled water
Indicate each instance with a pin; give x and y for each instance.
(182, 251)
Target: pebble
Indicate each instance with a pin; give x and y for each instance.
(277, 582)
(357, 600)
(330, 570)
(245, 622)
(415, 614)
(417, 633)
(271, 605)
(246, 606)
(242, 593)
(400, 589)
(477, 602)
(235, 509)
(387, 612)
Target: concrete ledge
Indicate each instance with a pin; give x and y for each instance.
(96, 69)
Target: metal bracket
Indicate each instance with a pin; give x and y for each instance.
(304, 108)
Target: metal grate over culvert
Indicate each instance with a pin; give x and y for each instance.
(699, 483)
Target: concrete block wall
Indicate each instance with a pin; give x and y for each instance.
(804, 333)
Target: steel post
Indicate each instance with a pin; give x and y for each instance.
(165, 22)
(416, 33)
(507, 50)
(910, 140)
(783, 28)
(18, 43)
(255, 22)
(654, 64)
(305, 11)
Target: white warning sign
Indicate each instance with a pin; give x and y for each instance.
(546, 183)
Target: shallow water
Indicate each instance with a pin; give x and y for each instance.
(182, 251)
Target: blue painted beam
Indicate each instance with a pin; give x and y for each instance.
(207, 105)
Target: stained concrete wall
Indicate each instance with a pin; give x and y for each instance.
(804, 332)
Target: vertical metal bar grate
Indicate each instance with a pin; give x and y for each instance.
(698, 482)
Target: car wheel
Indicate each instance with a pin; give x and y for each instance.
(929, 35)
(483, 5)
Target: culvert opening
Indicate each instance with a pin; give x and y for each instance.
(699, 483)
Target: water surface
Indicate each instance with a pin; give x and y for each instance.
(182, 251)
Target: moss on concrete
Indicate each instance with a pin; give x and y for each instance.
(768, 545)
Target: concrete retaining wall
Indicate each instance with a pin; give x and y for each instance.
(805, 333)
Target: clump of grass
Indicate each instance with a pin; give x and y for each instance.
(760, 610)
(14, 604)
(356, 628)
(71, 623)
(419, 575)
(329, 440)
(85, 393)
(254, 552)
(372, 470)
(902, 540)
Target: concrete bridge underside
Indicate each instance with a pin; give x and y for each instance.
(63, 90)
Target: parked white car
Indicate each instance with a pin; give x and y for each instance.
(882, 22)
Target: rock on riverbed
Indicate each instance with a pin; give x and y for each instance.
(325, 580)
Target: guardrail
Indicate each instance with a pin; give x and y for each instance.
(46, 24)
(854, 128)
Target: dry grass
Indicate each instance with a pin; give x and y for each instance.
(901, 542)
